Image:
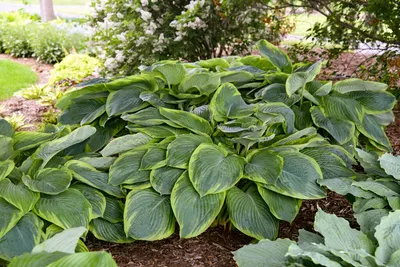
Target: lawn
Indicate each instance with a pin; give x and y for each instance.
(13, 77)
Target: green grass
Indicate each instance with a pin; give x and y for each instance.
(14, 77)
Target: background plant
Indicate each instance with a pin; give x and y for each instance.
(128, 34)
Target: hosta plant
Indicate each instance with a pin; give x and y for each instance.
(336, 245)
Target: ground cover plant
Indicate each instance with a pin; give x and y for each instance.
(13, 77)
(337, 245)
(235, 141)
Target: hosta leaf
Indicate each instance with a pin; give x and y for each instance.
(309, 237)
(64, 241)
(352, 85)
(22, 238)
(391, 165)
(148, 117)
(338, 234)
(275, 55)
(345, 186)
(264, 166)
(297, 138)
(302, 116)
(282, 207)
(205, 83)
(173, 73)
(36, 260)
(125, 100)
(27, 140)
(125, 143)
(49, 181)
(324, 89)
(6, 147)
(193, 213)
(163, 179)
(86, 174)
(379, 188)
(385, 118)
(66, 99)
(142, 82)
(188, 120)
(369, 162)
(394, 202)
(89, 118)
(343, 107)
(280, 109)
(68, 209)
(227, 103)
(212, 63)
(236, 77)
(180, 150)
(148, 216)
(374, 102)
(388, 235)
(89, 259)
(394, 259)
(80, 112)
(10, 215)
(371, 128)
(6, 167)
(213, 170)
(6, 128)
(258, 62)
(299, 177)
(126, 169)
(95, 198)
(50, 149)
(114, 211)
(153, 159)
(101, 163)
(276, 92)
(368, 220)
(320, 259)
(341, 130)
(264, 253)
(110, 232)
(158, 131)
(19, 195)
(250, 214)
(361, 204)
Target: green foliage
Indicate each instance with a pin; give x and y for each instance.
(338, 245)
(229, 140)
(74, 67)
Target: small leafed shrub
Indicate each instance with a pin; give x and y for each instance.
(337, 245)
(16, 39)
(235, 140)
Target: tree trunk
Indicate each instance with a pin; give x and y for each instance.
(47, 10)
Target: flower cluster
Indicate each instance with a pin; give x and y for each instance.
(128, 33)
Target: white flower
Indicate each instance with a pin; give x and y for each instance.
(120, 56)
(178, 38)
(122, 37)
(144, 2)
(120, 16)
(111, 63)
(145, 15)
(150, 29)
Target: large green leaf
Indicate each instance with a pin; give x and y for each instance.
(36, 260)
(250, 214)
(153, 159)
(345, 186)
(227, 103)
(163, 179)
(213, 170)
(27, 140)
(126, 169)
(299, 177)
(110, 232)
(188, 120)
(371, 128)
(275, 55)
(10, 215)
(87, 259)
(298, 80)
(22, 238)
(180, 150)
(6, 167)
(87, 174)
(49, 181)
(264, 253)
(66, 99)
(391, 165)
(52, 148)
(205, 83)
(67, 209)
(340, 129)
(6, 128)
(282, 207)
(276, 92)
(353, 85)
(114, 212)
(158, 131)
(95, 198)
(368, 220)
(388, 236)
(148, 117)
(173, 73)
(279, 109)
(18, 195)
(125, 100)
(64, 241)
(344, 108)
(6, 147)
(125, 143)
(82, 112)
(148, 216)
(379, 188)
(338, 234)
(263, 166)
(143, 82)
(374, 102)
(193, 213)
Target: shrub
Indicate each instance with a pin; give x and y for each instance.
(211, 142)
(15, 38)
(73, 67)
(127, 34)
(339, 245)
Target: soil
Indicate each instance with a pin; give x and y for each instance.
(214, 247)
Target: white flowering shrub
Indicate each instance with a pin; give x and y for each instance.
(128, 33)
